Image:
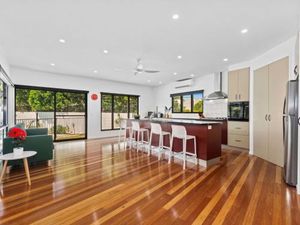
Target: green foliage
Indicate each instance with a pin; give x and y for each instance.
(60, 129)
(176, 103)
(120, 103)
(70, 102)
(133, 104)
(22, 104)
(106, 103)
(198, 107)
(41, 100)
(28, 100)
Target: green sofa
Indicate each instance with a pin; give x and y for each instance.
(37, 140)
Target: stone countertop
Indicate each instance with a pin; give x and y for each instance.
(181, 121)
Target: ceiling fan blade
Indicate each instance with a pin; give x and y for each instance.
(151, 71)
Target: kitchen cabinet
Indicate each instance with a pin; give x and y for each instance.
(268, 99)
(238, 85)
(238, 134)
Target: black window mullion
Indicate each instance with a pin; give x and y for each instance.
(128, 108)
(112, 111)
(138, 105)
(181, 103)
(192, 103)
(55, 122)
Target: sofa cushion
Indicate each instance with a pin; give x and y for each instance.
(20, 125)
(37, 131)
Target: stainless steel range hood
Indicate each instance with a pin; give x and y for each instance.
(217, 94)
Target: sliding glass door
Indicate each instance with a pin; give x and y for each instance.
(70, 115)
(63, 112)
(35, 108)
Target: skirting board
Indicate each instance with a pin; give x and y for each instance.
(207, 163)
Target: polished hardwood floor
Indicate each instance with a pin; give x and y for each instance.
(95, 182)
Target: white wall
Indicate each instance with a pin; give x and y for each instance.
(43, 79)
(209, 83)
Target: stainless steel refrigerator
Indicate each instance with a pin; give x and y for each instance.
(290, 132)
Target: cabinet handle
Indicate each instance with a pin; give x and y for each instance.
(240, 96)
(236, 97)
(237, 140)
(269, 117)
(266, 117)
(237, 128)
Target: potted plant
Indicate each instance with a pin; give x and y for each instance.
(19, 135)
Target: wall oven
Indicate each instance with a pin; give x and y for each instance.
(238, 111)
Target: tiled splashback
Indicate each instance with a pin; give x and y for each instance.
(215, 108)
(212, 108)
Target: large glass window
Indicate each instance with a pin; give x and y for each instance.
(176, 101)
(198, 102)
(106, 114)
(115, 107)
(186, 103)
(63, 112)
(189, 102)
(3, 103)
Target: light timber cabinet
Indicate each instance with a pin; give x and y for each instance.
(238, 134)
(269, 93)
(238, 85)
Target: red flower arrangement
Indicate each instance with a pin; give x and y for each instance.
(19, 135)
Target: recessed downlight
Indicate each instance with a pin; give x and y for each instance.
(149, 81)
(175, 16)
(95, 71)
(179, 57)
(52, 64)
(105, 51)
(225, 60)
(192, 75)
(244, 31)
(62, 41)
(159, 82)
(174, 73)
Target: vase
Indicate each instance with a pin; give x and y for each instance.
(18, 151)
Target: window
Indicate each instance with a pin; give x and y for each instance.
(63, 112)
(176, 103)
(189, 102)
(3, 103)
(186, 103)
(115, 107)
(198, 102)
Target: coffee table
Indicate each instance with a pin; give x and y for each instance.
(12, 156)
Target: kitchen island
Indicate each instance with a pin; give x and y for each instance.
(207, 133)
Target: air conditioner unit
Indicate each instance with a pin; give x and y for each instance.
(183, 83)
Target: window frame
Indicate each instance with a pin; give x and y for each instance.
(55, 90)
(112, 109)
(191, 94)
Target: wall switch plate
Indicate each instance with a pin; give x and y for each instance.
(209, 127)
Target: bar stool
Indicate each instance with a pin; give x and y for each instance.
(156, 129)
(180, 133)
(140, 131)
(123, 132)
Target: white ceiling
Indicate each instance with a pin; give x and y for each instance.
(206, 32)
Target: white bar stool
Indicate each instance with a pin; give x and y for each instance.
(123, 132)
(156, 129)
(140, 131)
(180, 133)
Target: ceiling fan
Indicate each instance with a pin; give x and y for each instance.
(140, 68)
